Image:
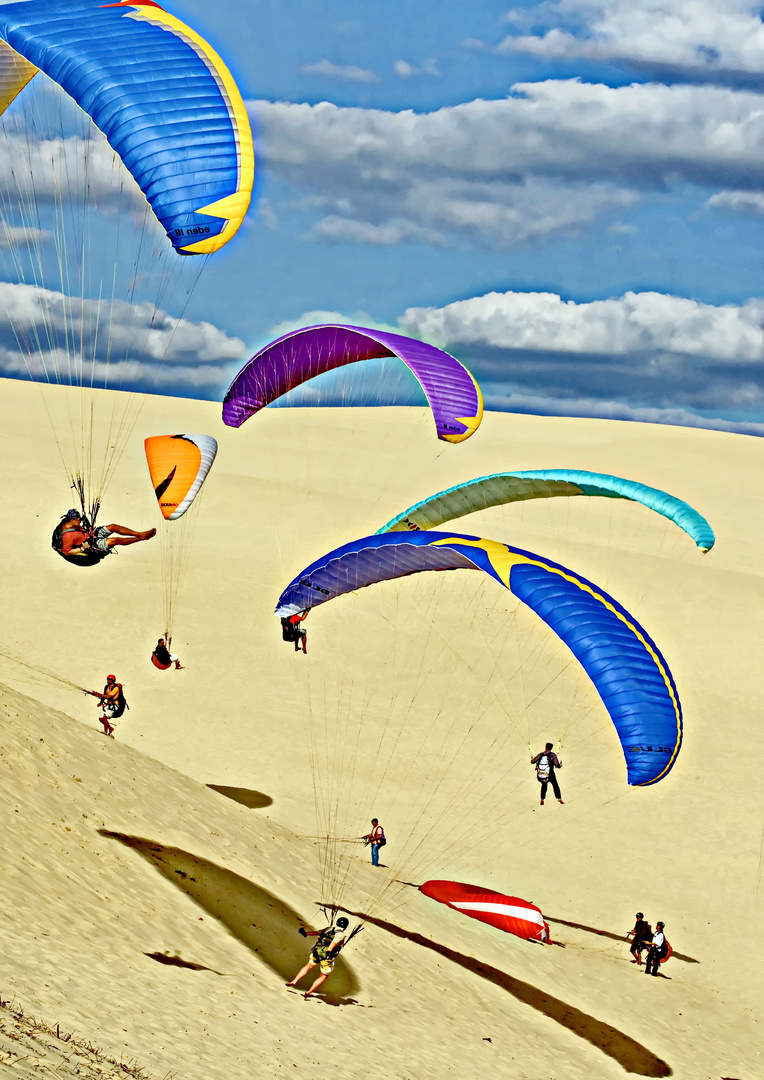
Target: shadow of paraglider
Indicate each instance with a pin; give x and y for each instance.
(253, 800)
(630, 1055)
(176, 961)
(258, 919)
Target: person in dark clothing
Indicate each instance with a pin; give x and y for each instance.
(291, 631)
(164, 657)
(656, 950)
(642, 934)
(546, 762)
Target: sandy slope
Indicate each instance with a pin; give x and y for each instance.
(158, 918)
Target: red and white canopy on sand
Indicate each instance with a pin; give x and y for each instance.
(507, 913)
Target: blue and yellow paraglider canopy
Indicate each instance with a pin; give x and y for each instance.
(621, 659)
(160, 94)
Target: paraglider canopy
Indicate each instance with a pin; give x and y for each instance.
(160, 94)
(500, 489)
(178, 465)
(507, 913)
(623, 662)
(453, 394)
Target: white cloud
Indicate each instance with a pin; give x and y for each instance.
(553, 156)
(633, 323)
(539, 405)
(403, 69)
(646, 351)
(740, 202)
(12, 236)
(697, 37)
(52, 169)
(336, 71)
(407, 71)
(117, 343)
(266, 212)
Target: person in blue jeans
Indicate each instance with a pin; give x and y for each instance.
(376, 839)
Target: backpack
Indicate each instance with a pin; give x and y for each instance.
(321, 950)
(544, 768)
(381, 842)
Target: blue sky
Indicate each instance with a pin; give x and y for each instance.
(569, 196)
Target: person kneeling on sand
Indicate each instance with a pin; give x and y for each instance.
(324, 953)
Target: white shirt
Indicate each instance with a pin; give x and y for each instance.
(658, 938)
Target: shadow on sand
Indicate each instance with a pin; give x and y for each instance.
(630, 1055)
(614, 937)
(257, 918)
(176, 961)
(253, 800)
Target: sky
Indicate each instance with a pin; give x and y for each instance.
(568, 196)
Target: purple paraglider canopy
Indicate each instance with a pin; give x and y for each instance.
(452, 393)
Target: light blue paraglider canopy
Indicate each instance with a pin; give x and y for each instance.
(619, 656)
(507, 487)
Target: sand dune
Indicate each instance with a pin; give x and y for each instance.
(157, 916)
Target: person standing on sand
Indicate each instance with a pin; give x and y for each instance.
(376, 838)
(546, 762)
(642, 934)
(324, 953)
(113, 704)
(656, 950)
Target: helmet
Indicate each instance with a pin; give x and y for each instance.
(71, 515)
(660, 925)
(111, 678)
(640, 915)
(342, 923)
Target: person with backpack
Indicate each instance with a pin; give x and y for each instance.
(113, 704)
(546, 762)
(324, 953)
(376, 838)
(642, 933)
(656, 949)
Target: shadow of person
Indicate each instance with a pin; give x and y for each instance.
(253, 800)
(258, 919)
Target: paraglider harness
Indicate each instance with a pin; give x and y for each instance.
(291, 630)
(115, 708)
(88, 558)
(322, 950)
(544, 768)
